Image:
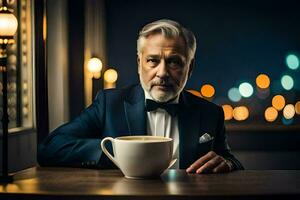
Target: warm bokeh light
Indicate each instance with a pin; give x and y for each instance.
(240, 113)
(262, 81)
(207, 90)
(110, 76)
(297, 107)
(292, 61)
(234, 94)
(8, 23)
(271, 114)
(195, 92)
(278, 102)
(289, 111)
(287, 82)
(228, 112)
(45, 25)
(10, 187)
(94, 65)
(246, 89)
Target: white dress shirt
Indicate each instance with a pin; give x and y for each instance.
(161, 123)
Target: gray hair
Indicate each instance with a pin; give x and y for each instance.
(169, 29)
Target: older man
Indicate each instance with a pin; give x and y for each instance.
(157, 106)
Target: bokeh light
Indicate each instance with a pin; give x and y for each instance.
(240, 113)
(94, 65)
(262, 81)
(287, 82)
(297, 107)
(287, 121)
(246, 89)
(228, 111)
(207, 90)
(110, 76)
(234, 94)
(195, 92)
(278, 102)
(289, 111)
(271, 114)
(292, 61)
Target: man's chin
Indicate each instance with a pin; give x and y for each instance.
(162, 96)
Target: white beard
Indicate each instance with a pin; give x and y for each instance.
(161, 96)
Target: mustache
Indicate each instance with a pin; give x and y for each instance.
(162, 82)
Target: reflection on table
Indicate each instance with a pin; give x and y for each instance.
(74, 183)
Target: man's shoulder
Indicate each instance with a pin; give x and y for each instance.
(200, 102)
(120, 93)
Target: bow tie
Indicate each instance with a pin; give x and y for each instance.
(172, 109)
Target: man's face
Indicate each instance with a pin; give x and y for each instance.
(163, 67)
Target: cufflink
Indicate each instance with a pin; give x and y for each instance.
(205, 138)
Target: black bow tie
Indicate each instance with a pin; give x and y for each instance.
(172, 109)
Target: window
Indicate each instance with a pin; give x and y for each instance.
(20, 69)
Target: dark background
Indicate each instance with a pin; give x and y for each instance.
(236, 40)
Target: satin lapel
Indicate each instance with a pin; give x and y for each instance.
(135, 112)
(189, 122)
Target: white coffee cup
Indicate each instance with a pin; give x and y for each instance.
(140, 156)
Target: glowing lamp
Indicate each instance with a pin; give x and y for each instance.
(8, 27)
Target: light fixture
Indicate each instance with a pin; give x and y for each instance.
(8, 27)
(110, 78)
(95, 67)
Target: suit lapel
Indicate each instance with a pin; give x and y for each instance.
(189, 126)
(134, 107)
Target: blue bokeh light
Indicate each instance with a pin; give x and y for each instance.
(234, 95)
(287, 82)
(287, 121)
(246, 89)
(292, 61)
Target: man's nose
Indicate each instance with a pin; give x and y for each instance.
(162, 71)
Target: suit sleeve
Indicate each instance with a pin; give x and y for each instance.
(76, 143)
(221, 146)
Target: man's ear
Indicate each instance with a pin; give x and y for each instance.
(138, 60)
(191, 67)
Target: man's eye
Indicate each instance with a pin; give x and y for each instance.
(175, 62)
(152, 60)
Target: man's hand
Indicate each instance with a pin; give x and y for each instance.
(210, 163)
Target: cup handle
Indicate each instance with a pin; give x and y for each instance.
(103, 142)
(172, 163)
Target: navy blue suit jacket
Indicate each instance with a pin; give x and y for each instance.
(117, 112)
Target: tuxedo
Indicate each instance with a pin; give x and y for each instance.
(120, 112)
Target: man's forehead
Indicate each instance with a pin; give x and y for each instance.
(157, 42)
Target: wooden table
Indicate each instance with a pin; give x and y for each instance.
(72, 183)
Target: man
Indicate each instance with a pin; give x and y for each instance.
(159, 106)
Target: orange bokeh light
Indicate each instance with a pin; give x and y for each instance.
(207, 91)
(228, 112)
(240, 113)
(262, 81)
(278, 102)
(297, 107)
(271, 114)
